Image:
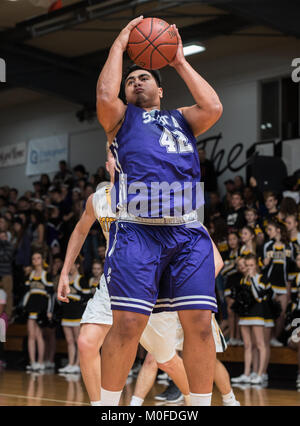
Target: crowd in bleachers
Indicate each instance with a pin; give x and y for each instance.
(257, 234)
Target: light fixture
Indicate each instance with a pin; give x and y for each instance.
(192, 48)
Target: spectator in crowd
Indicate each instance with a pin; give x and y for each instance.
(3, 324)
(271, 203)
(251, 217)
(13, 195)
(21, 256)
(291, 188)
(79, 173)
(208, 175)
(239, 184)
(64, 175)
(6, 260)
(288, 206)
(37, 304)
(45, 183)
(4, 227)
(236, 216)
(37, 230)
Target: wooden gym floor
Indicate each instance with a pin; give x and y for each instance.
(19, 388)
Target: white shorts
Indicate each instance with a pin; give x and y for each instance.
(163, 335)
(98, 310)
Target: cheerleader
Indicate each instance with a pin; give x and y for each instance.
(248, 240)
(277, 260)
(97, 270)
(37, 303)
(71, 316)
(292, 224)
(255, 322)
(232, 284)
(293, 317)
(229, 267)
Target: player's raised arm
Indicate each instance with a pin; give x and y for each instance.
(75, 244)
(110, 108)
(208, 108)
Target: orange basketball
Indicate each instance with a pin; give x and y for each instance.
(152, 44)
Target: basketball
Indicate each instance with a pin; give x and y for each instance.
(152, 44)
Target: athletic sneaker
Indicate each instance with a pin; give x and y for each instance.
(67, 369)
(258, 380)
(253, 375)
(241, 379)
(265, 377)
(162, 376)
(234, 403)
(35, 366)
(232, 342)
(275, 343)
(49, 365)
(162, 396)
(75, 369)
(298, 379)
(240, 343)
(173, 394)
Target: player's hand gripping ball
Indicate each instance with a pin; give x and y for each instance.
(152, 44)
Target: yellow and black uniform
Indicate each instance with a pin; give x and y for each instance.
(232, 284)
(229, 269)
(259, 313)
(93, 285)
(244, 251)
(295, 246)
(38, 298)
(223, 248)
(293, 308)
(80, 292)
(280, 265)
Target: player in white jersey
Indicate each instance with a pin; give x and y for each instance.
(163, 334)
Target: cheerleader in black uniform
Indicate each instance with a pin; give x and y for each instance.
(277, 260)
(255, 321)
(292, 226)
(248, 241)
(293, 317)
(37, 303)
(97, 270)
(232, 276)
(71, 316)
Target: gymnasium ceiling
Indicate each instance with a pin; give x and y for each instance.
(61, 53)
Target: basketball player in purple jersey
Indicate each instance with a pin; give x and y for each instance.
(154, 258)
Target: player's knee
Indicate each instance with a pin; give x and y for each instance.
(86, 345)
(129, 327)
(150, 362)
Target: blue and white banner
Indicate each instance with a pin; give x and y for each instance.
(43, 155)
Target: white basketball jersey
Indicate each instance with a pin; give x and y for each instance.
(102, 207)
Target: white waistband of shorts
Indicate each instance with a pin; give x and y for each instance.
(167, 220)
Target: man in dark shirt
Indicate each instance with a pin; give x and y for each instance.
(236, 217)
